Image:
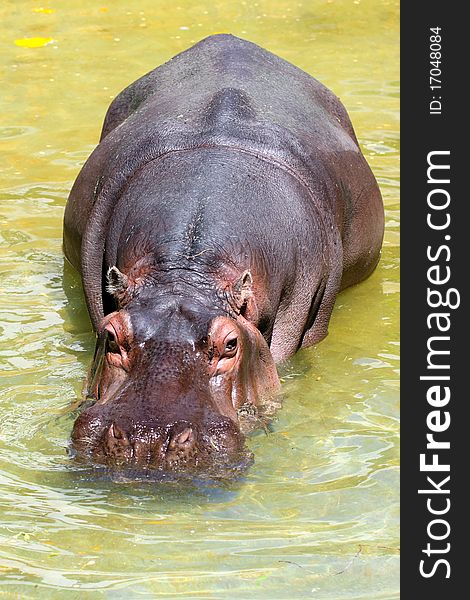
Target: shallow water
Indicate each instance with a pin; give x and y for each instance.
(317, 514)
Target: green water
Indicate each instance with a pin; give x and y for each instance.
(317, 514)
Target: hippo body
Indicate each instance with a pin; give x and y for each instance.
(227, 199)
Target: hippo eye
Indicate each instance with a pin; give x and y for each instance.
(230, 347)
(111, 343)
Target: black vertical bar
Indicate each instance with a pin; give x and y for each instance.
(435, 260)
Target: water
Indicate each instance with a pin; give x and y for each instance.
(317, 514)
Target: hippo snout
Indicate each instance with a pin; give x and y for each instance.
(181, 445)
(149, 446)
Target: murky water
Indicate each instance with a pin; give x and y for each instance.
(317, 514)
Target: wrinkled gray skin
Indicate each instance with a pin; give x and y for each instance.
(225, 207)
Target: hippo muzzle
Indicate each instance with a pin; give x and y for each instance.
(179, 446)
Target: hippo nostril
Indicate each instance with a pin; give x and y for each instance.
(117, 445)
(184, 438)
(117, 435)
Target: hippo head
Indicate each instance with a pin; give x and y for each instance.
(170, 375)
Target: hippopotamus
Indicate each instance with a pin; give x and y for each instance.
(223, 210)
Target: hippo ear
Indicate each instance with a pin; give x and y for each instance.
(243, 290)
(118, 284)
